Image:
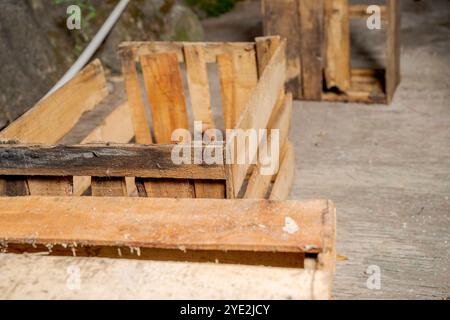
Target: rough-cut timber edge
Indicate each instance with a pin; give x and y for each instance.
(281, 17)
(52, 118)
(113, 160)
(259, 108)
(392, 48)
(255, 232)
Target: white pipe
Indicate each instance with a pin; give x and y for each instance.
(92, 47)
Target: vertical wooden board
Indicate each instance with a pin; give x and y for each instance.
(265, 48)
(50, 186)
(135, 100)
(210, 189)
(108, 187)
(13, 186)
(285, 177)
(312, 29)
(238, 77)
(164, 86)
(392, 48)
(337, 44)
(197, 75)
(258, 184)
(226, 74)
(281, 17)
(165, 93)
(168, 188)
(245, 80)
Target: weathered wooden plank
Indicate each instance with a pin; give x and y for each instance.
(359, 11)
(265, 48)
(135, 99)
(165, 92)
(197, 76)
(108, 187)
(226, 76)
(337, 45)
(258, 184)
(259, 109)
(210, 189)
(153, 161)
(212, 49)
(281, 18)
(392, 48)
(312, 31)
(50, 119)
(290, 226)
(285, 177)
(12, 186)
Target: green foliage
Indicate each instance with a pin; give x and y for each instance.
(212, 8)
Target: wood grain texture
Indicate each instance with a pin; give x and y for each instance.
(108, 187)
(242, 225)
(212, 49)
(259, 108)
(265, 49)
(282, 18)
(285, 177)
(50, 186)
(197, 76)
(226, 77)
(153, 161)
(337, 45)
(135, 99)
(392, 48)
(259, 184)
(312, 31)
(50, 119)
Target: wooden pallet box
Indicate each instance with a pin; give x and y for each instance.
(319, 49)
(108, 197)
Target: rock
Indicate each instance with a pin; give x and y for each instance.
(36, 48)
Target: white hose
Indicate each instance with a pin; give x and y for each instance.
(92, 46)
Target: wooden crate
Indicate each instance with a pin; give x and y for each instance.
(129, 208)
(318, 52)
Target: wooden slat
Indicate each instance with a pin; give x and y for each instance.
(210, 189)
(265, 49)
(185, 224)
(197, 76)
(108, 131)
(168, 104)
(392, 48)
(50, 186)
(260, 106)
(226, 76)
(285, 177)
(49, 120)
(312, 31)
(165, 93)
(258, 184)
(153, 161)
(281, 17)
(135, 100)
(13, 186)
(212, 49)
(337, 48)
(108, 187)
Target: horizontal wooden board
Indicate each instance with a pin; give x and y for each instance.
(121, 160)
(180, 224)
(212, 49)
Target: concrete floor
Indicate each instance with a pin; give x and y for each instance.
(387, 168)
